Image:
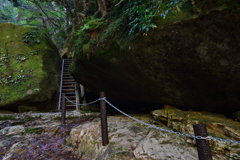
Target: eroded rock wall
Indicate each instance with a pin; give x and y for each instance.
(192, 62)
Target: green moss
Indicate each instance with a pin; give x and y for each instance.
(5, 117)
(121, 135)
(31, 118)
(67, 118)
(28, 65)
(112, 143)
(120, 149)
(138, 124)
(34, 130)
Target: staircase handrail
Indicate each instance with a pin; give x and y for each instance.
(60, 92)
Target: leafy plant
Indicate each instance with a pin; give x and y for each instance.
(92, 24)
(140, 13)
(31, 38)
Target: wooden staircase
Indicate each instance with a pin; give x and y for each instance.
(67, 86)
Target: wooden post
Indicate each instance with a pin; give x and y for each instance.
(104, 125)
(63, 109)
(204, 151)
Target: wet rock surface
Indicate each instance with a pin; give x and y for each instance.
(40, 136)
(131, 140)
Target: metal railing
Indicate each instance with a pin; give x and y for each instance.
(60, 92)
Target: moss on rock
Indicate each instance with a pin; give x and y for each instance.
(29, 69)
(190, 60)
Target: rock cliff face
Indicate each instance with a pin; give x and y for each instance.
(191, 62)
(30, 69)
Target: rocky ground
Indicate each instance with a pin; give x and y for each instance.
(41, 136)
(38, 135)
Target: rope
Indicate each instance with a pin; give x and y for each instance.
(169, 131)
(159, 128)
(86, 103)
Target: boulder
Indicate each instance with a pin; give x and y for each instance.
(129, 139)
(190, 60)
(217, 126)
(30, 68)
(12, 130)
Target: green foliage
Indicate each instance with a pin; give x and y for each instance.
(91, 24)
(7, 12)
(81, 41)
(10, 79)
(31, 38)
(5, 117)
(34, 130)
(140, 13)
(52, 17)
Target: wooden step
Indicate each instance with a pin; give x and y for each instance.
(66, 87)
(70, 97)
(68, 102)
(67, 76)
(68, 90)
(70, 86)
(70, 93)
(67, 83)
(71, 105)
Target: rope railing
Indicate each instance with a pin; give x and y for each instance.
(159, 128)
(84, 104)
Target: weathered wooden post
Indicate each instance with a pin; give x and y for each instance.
(63, 109)
(204, 151)
(103, 111)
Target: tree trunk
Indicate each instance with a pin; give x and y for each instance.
(103, 6)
